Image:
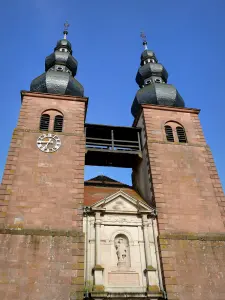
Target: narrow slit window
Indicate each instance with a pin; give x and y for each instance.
(169, 133)
(181, 134)
(58, 123)
(44, 122)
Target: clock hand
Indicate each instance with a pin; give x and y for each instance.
(45, 147)
(44, 142)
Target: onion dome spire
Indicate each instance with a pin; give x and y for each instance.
(152, 80)
(60, 69)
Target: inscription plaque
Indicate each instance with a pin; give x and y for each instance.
(123, 279)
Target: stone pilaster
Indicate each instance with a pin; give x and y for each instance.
(150, 271)
(98, 269)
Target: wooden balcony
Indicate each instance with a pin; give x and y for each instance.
(112, 145)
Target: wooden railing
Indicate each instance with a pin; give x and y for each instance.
(113, 144)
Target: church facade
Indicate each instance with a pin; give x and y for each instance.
(65, 238)
(121, 242)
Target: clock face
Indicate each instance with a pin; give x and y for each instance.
(48, 142)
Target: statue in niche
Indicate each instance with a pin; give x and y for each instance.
(122, 250)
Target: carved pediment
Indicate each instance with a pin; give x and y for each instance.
(120, 202)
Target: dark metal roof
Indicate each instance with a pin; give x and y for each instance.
(157, 93)
(152, 80)
(60, 67)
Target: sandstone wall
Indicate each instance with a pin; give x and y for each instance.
(41, 199)
(194, 266)
(190, 204)
(39, 265)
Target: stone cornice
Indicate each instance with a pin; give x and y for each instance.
(162, 107)
(175, 143)
(193, 236)
(41, 232)
(171, 108)
(17, 129)
(53, 96)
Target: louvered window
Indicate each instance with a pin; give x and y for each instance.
(58, 123)
(181, 134)
(44, 122)
(169, 133)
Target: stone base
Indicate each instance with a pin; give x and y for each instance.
(153, 289)
(98, 288)
(98, 277)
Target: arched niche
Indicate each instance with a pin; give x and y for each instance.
(122, 248)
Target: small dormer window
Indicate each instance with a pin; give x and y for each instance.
(148, 81)
(60, 69)
(63, 50)
(157, 80)
(152, 60)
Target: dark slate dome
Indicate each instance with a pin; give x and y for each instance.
(152, 80)
(64, 43)
(60, 69)
(157, 93)
(148, 54)
(61, 58)
(148, 70)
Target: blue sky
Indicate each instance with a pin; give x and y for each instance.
(187, 37)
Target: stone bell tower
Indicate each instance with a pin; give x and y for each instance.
(42, 188)
(178, 175)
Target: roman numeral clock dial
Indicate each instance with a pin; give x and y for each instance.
(48, 143)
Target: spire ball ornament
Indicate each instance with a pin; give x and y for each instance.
(144, 39)
(65, 31)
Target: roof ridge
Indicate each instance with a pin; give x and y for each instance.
(103, 180)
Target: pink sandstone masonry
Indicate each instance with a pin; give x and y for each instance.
(41, 200)
(193, 266)
(187, 189)
(190, 204)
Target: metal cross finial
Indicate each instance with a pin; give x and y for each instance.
(144, 39)
(66, 26)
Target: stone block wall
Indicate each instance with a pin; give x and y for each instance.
(187, 190)
(41, 265)
(190, 204)
(194, 266)
(41, 199)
